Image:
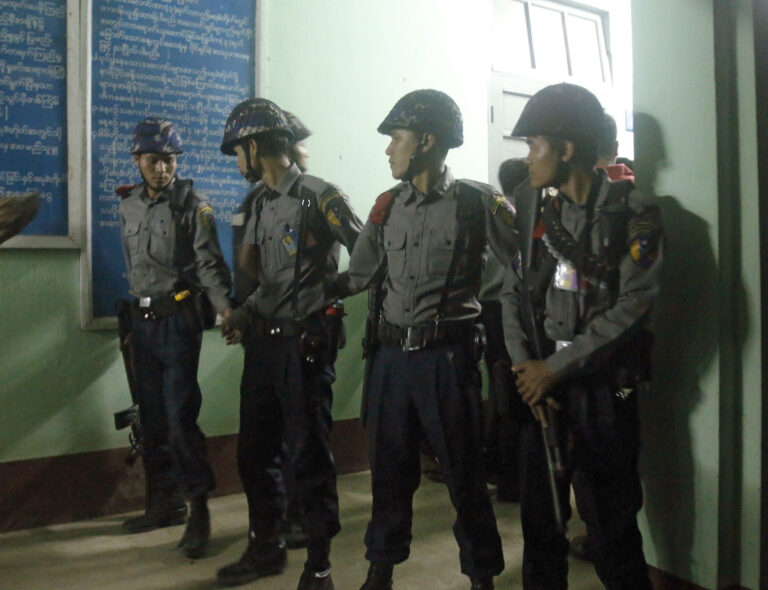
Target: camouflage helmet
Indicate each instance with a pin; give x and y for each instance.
(299, 130)
(429, 111)
(252, 117)
(563, 110)
(156, 136)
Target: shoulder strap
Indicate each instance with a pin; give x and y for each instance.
(469, 207)
(307, 203)
(178, 204)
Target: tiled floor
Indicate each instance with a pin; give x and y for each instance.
(94, 554)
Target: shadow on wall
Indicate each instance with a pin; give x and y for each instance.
(686, 327)
(47, 365)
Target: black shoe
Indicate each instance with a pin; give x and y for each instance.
(312, 580)
(293, 535)
(156, 519)
(198, 531)
(482, 583)
(379, 577)
(261, 558)
(164, 506)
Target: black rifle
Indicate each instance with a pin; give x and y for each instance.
(371, 338)
(533, 292)
(129, 416)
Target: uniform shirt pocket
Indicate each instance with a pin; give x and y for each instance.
(441, 246)
(162, 237)
(131, 236)
(394, 245)
(263, 244)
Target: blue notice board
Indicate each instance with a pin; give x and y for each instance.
(33, 109)
(190, 61)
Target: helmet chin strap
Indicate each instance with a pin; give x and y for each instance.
(416, 161)
(562, 172)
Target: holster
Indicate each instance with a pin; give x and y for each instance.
(129, 416)
(204, 310)
(322, 336)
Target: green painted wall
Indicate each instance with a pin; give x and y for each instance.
(59, 385)
(700, 462)
(342, 80)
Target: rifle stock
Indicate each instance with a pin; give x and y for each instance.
(129, 416)
(370, 342)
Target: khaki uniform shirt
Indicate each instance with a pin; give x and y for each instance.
(274, 228)
(417, 242)
(149, 244)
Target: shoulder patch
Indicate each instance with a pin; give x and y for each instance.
(644, 237)
(501, 207)
(328, 197)
(205, 215)
(381, 208)
(125, 189)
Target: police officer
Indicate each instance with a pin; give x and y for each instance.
(176, 272)
(246, 281)
(298, 153)
(575, 307)
(427, 237)
(297, 225)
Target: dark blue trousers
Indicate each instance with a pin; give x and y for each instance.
(433, 393)
(167, 352)
(285, 421)
(603, 465)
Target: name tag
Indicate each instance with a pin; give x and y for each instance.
(238, 219)
(290, 240)
(566, 277)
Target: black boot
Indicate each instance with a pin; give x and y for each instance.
(198, 531)
(379, 577)
(315, 580)
(263, 557)
(164, 507)
(484, 583)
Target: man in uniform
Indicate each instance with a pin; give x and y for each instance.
(575, 308)
(425, 239)
(297, 225)
(607, 151)
(298, 153)
(176, 271)
(246, 281)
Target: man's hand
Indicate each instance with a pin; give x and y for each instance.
(534, 380)
(234, 325)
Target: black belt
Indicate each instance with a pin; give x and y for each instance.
(155, 308)
(276, 328)
(426, 335)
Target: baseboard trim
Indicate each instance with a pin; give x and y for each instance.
(51, 490)
(661, 580)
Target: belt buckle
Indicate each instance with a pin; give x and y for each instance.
(413, 339)
(145, 306)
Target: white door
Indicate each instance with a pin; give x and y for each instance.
(541, 42)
